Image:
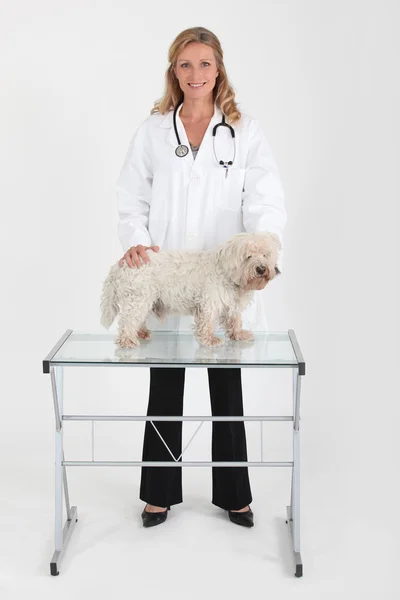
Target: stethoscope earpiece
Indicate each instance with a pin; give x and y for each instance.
(182, 150)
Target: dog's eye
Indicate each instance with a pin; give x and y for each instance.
(248, 257)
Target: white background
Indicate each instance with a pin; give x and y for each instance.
(76, 80)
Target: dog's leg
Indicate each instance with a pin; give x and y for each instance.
(133, 315)
(204, 327)
(159, 310)
(232, 323)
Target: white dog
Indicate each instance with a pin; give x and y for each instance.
(213, 285)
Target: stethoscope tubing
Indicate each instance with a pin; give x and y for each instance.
(182, 150)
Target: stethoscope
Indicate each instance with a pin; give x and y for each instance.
(182, 150)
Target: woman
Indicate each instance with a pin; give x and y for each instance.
(177, 198)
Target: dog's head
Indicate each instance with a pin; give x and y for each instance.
(249, 259)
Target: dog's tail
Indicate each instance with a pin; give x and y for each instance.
(109, 305)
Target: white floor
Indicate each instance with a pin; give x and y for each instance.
(197, 553)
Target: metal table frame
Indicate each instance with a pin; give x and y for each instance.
(63, 532)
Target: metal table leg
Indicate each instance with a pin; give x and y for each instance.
(293, 511)
(62, 535)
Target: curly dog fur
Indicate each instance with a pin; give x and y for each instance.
(213, 285)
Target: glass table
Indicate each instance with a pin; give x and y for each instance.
(171, 349)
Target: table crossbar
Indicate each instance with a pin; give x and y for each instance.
(165, 463)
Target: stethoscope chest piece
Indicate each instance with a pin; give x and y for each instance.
(181, 150)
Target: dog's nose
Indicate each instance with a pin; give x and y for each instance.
(261, 270)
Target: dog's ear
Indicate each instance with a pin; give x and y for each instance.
(231, 256)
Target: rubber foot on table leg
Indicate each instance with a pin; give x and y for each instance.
(299, 571)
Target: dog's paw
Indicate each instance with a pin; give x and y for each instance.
(144, 333)
(211, 341)
(125, 342)
(243, 334)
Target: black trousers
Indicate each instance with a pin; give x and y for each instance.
(162, 486)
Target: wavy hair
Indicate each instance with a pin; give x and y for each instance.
(223, 93)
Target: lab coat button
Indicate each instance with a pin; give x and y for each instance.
(191, 236)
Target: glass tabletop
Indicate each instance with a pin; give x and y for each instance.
(175, 348)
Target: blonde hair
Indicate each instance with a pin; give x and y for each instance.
(223, 93)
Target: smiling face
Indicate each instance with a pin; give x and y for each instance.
(196, 70)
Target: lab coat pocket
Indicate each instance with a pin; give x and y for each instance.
(158, 229)
(229, 195)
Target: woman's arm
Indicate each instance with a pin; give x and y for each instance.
(263, 203)
(134, 193)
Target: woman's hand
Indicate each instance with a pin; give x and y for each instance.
(135, 254)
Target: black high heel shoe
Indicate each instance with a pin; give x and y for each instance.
(155, 518)
(242, 518)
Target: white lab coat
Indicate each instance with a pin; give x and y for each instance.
(188, 204)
